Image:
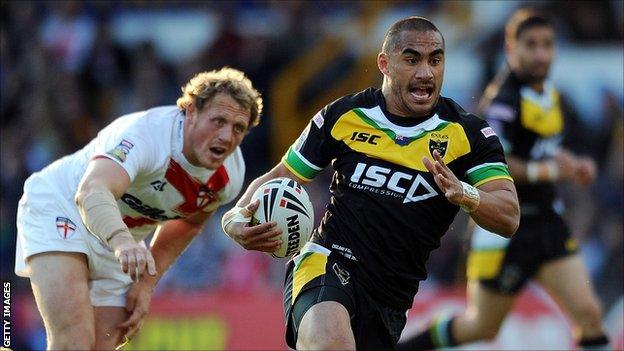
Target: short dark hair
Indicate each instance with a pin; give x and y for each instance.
(412, 23)
(522, 20)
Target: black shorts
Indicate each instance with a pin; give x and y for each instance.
(506, 268)
(316, 278)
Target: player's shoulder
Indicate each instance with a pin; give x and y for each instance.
(152, 129)
(153, 120)
(161, 117)
(504, 88)
(448, 109)
(501, 99)
(366, 98)
(451, 111)
(561, 95)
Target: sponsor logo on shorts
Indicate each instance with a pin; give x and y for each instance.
(121, 151)
(342, 274)
(344, 251)
(65, 227)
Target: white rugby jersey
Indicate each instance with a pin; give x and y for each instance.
(164, 185)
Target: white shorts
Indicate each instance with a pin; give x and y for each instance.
(49, 221)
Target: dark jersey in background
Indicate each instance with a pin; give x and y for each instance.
(530, 127)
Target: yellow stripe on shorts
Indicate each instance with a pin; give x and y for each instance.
(484, 264)
(308, 269)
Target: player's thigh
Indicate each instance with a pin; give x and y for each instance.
(326, 323)
(319, 300)
(60, 284)
(107, 335)
(569, 282)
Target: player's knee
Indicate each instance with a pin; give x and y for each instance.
(331, 341)
(71, 337)
(589, 314)
(487, 331)
(109, 343)
(477, 327)
(71, 332)
(326, 326)
(323, 337)
(489, 334)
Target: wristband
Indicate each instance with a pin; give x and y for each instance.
(532, 172)
(553, 171)
(233, 215)
(470, 198)
(542, 171)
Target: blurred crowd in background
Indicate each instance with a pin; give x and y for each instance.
(67, 69)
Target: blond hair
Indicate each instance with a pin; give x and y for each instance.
(205, 85)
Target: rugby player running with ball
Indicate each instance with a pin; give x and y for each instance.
(405, 160)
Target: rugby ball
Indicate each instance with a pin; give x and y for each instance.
(284, 201)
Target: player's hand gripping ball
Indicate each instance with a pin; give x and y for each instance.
(284, 201)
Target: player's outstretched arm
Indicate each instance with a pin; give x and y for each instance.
(564, 166)
(493, 206)
(105, 181)
(262, 237)
(168, 243)
(171, 238)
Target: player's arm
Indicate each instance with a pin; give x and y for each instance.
(278, 171)
(261, 237)
(105, 181)
(493, 205)
(305, 158)
(168, 242)
(498, 210)
(562, 167)
(171, 238)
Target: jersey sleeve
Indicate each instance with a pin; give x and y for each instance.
(129, 146)
(313, 150)
(486, 160)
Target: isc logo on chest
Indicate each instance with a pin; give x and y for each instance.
(384, 181)
(365, 137)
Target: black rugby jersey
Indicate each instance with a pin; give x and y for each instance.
(386, 213)
(530, 127)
